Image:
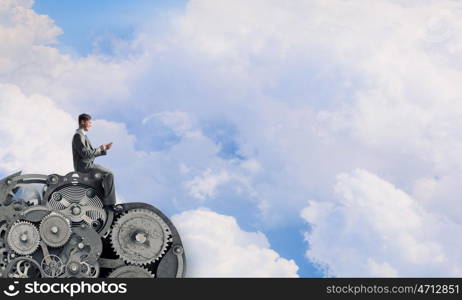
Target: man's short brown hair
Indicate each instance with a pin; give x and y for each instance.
(84, 117)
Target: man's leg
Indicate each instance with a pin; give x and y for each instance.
(108, 184)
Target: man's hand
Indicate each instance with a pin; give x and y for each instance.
(105, 147)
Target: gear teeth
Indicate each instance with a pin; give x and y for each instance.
(117, 247)
(35, 243)
(66, 237)
(131, 270)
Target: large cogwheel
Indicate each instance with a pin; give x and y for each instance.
(140, 236)
(131, 272)
(55, 230)
(23, 238)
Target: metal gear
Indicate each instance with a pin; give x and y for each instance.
(52, 266)
(140, 237)
(90, 270)
(57, 226)
(81, 265)
(131, 272)
(23, 267)
(23, 238)
(79, 204)
(55, 230)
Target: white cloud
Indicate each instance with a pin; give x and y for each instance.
(42, 89)
(171, 179)
(205, 185)
(180, 122)
(29, 60)
(216, 246)
(31, 140)
(374, 229)
(306, 89)
(340, 85)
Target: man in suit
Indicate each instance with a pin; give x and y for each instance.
(84, 156)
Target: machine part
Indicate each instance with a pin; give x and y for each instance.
(131, 272)
(172, 263)
(82, 265)
(35, 213)
(89, 270)
(110, 263)
(6, 186)
(90, 240)
(178, 251)
(4, 259)
(55, 230)
(73, 202)
(106, 230)
(25, 192)
(140, 237)
(98, 234)
(23, 238)
(52, 266)
(11, 188)
(23, 267)
(29, 193)
(12, 211)
(3, 231)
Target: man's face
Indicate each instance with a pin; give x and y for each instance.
(86, 125)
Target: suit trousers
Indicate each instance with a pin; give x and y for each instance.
(108, 183)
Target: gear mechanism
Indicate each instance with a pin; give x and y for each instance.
(57, 226)
(23, 267)
(55, 230)
(52, 266)
(131, 272)
(23, 237)
(79, 204)
(81, 265)
(140, 236)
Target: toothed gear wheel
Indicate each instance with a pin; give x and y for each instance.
(52, 266)
(131, 272)
(23, 267)
(55, 230)
(23, 238)
(140, 237)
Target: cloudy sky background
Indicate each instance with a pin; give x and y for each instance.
(299, 138)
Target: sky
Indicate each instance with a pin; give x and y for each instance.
(283, 139)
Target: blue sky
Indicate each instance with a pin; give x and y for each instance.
(85, 22)
(338, 122)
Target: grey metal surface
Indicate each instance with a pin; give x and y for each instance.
(61, 226)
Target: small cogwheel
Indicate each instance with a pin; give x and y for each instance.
(23, 238)
(52, 266)
(55, 230)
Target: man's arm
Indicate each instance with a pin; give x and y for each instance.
(101, 152)
(85, 152)
(103, 149)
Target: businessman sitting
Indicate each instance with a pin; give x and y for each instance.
(84, 155)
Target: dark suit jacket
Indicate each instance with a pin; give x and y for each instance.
(83, 152)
